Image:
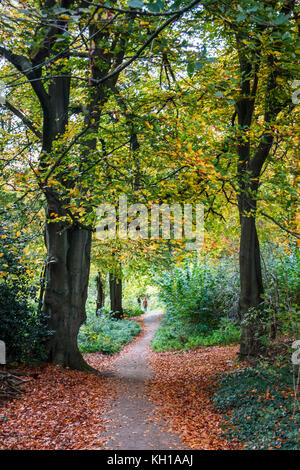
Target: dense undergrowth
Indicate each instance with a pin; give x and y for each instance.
(23, 325)
(200, 300)
(175, 334)
(132, 312)
(106, 334)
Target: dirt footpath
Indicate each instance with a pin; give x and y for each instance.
(131, 419)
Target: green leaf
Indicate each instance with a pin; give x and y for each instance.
(136, 4)
(157, 6)
(190, 68)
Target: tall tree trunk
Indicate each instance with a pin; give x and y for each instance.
(251, 288)
(115, 287)
(68, 249)
(66, 291)
(100, 293)
(250, 164)
(251, 285)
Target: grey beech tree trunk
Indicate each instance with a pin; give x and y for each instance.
(252, 158)
(100, 293)
(66, 291)
(115, 287)
(251, 285)
(68, 245)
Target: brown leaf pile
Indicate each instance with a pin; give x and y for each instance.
(63, 409)
(182, 388)
(59, 410)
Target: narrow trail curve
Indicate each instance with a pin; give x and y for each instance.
(131, 424)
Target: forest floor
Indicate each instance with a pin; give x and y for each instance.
(139, 400)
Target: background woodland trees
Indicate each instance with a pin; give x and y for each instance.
(164, 102)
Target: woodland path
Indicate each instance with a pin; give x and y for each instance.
(139, 399)
(131, 418)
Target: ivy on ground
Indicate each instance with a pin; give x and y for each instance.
(259, 407)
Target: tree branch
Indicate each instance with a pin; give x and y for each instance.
(294, 234)
(21, 63)
(125, 64)
(28, 123)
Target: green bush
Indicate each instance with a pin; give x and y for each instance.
(200, 292)
(281, 304)
(281, 272)
(175, 334)
(258, 406)
(201, 301)
(22, 327)
(132, 312)
(201, 306)
(106, 334)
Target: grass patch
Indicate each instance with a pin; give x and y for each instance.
(258, 406)
(176, 334)
(106, 334)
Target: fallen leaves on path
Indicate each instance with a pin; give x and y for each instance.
(182, 387)
(59, 410)
(64, 409)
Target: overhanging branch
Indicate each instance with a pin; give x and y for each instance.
(28, 123)
(125, 64)
(24, 66)
(294, 234)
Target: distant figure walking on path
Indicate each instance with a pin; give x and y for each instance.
(145, 304)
